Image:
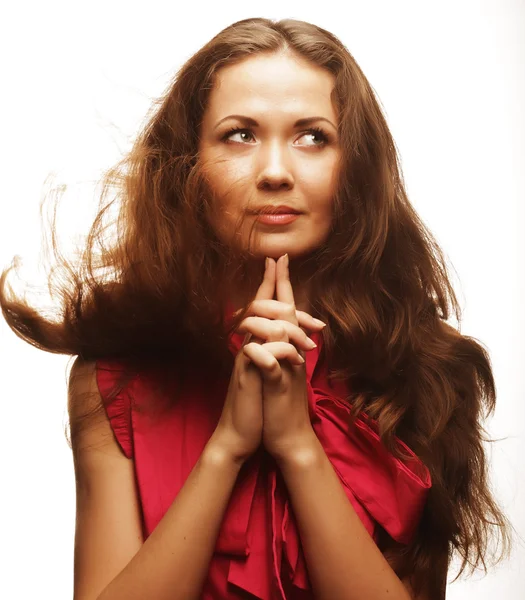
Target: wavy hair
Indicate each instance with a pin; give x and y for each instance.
(380, 281)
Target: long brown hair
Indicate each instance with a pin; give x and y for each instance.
(380, 282)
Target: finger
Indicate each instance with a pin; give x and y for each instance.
(286, 350)
(273, 309)
(267, 356)
(266, 363)
(267, 287)
(250, 336)
(265, 290)
(283, 283)
(306, 320)
(276, 330)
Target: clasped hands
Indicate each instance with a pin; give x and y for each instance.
(286, 419)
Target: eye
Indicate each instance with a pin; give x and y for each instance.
(233, 130)
(318, 132)
(313, 131)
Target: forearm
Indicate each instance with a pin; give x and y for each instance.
(343, 561)
(174, 560)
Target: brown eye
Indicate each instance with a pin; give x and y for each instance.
(319, 133)
(316, 132)
(230, 132)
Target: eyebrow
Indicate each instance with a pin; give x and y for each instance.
(253, 122)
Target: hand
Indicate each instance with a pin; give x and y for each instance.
(239, 430)
(286, 418)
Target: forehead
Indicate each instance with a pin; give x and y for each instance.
(278, 82)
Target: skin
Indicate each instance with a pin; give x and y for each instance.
(272, 163)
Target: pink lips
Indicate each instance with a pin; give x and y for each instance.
(280, 219)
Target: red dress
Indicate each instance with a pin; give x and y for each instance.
(258, 549)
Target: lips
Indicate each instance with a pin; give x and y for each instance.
(280, 219)
(276, 210)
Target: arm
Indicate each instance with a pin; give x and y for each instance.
(173, 562)
(111, 560)
(435, 582)
(344, 562)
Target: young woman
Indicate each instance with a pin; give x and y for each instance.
(268, 401)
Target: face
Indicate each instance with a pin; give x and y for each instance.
(274, 161)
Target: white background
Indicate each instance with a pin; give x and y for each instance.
(78, 79)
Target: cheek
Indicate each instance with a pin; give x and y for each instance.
(229, 182)
(319, 194)
(317, 177)
(227, 188)
(321, 222)
(321, 214)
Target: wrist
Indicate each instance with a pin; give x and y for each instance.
(219, 452)
(303, 452)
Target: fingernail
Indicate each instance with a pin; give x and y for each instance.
(318, 322)
(287, 260)
(311, 343)
(301, 359)
(266, 263)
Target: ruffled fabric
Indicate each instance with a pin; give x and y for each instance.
(118, 408)
(381, 488)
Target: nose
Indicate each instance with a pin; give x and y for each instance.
(275, 169)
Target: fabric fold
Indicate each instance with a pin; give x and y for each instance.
(381, 488)
(117, 407)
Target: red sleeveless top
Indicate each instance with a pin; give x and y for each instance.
(258, 552)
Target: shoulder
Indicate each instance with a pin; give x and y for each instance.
(83, 393)
(90, 425)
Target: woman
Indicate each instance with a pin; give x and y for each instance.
(250, 450)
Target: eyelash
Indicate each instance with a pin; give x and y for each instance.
(325, 139)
